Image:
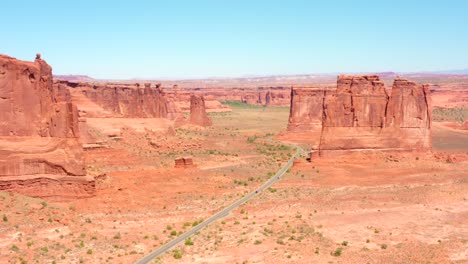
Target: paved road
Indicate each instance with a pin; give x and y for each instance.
(148, 258)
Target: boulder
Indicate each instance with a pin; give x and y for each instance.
(185, 162)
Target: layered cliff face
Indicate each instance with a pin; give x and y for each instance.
(198, 114)
(360, 115)
(133, 102)
(306, 109)
(39, 135)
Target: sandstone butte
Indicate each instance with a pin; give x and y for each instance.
(41, 154)
(360, 115)
(198, 114)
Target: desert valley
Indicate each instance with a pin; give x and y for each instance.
(107, 172)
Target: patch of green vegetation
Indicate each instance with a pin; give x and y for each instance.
(238, 104)
(337, 252)
(177, 254)
(14, 248)
(188, 242)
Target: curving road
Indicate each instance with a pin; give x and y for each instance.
(148, 258)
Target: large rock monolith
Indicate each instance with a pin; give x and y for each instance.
(198, 114)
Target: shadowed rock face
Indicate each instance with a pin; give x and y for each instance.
(198, 114)
(39, 135)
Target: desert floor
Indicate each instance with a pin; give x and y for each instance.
(388, 208)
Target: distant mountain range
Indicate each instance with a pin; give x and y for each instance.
(270, 79)
(75, 78)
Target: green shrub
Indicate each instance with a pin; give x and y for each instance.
(337, 252)
(14, 248)
(177, 254)
(188, 242)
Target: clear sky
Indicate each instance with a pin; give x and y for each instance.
(199, 38)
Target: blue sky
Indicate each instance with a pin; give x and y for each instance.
(194, 39)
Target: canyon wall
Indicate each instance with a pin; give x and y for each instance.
(40, 151)
(131, 101)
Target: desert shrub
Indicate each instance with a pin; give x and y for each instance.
(188, 242)
(337, 252)
(177, 254)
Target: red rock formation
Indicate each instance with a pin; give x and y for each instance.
(360, 115)
(131, 101)
(124, 100)
(305, 115)
(198, 114)
(39, 132)
(306, 109)
(185, 162)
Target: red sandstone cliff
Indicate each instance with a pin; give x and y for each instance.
(198, 114)
(360, 115)
(306, 109)
(40, 152)
(133, 102)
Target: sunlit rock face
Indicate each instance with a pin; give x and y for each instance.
(40, 151)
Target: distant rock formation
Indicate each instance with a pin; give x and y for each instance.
(134, 102)
(123, 100)
(360, 115)
(39, 136)
(198, 114)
